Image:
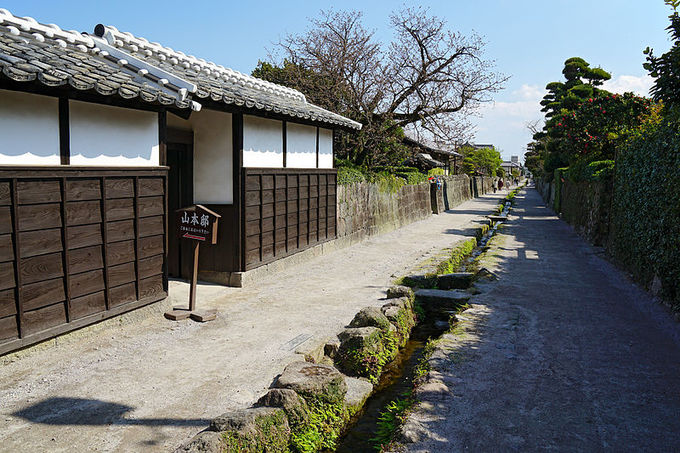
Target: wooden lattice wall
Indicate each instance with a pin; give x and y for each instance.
(286, 211)
(77, 246)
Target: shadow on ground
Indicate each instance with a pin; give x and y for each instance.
(92, 412)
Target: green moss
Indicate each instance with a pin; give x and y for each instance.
(458, 255)
(272, 435)
(369, 361)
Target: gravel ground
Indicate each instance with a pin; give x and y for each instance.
(563, 353)
(150, 384)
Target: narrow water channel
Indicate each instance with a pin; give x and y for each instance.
(397, 380)
(398, 376)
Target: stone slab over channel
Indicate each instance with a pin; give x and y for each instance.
(152, 384)
(561, 353)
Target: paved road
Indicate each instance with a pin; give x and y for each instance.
(149, 385)
(563, 353)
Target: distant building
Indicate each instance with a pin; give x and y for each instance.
(426, 156)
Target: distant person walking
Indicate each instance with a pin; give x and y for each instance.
(500, 184)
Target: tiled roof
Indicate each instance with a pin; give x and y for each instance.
(56, 57)
(223, 84)
(432, 148)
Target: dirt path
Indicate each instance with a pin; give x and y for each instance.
(562, 353)
(150, 385)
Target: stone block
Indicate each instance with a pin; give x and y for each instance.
(370, 317)
(204, 442)
(317, 381)
(253, 430)
(456, 280)
(399, 291)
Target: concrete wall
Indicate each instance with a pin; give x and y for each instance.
(112, 136)
(29, 127)
(213, 155)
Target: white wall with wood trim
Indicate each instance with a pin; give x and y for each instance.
(103, 135)
(262, 142)
(325, 148)
(300, 146)
(213, 155)
(29, 127)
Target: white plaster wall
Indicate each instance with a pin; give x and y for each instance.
(112, 136)
(300, 146)
(213, 155)
(29, 127)
(325, 148)
(262, 142)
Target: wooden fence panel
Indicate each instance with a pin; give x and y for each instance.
(77, 246)
(286, 211)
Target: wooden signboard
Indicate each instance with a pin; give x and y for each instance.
(199, 224)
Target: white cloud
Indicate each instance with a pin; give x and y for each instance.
(625, 83)
(504, 123)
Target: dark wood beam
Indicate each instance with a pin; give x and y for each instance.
(162, 138)
(64, 132)
(317, 147)
(238, 191)
(285, 143)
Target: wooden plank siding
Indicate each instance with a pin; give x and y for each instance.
(78, 245)
(286, 211)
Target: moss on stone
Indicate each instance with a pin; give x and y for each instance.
(271, 434)
(458, 255)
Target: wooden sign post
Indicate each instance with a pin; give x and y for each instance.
(199, 224)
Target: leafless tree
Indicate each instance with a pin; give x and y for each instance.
(427, 80)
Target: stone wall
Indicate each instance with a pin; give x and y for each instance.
(586, 206)
(364, 210)
(479, 185)
(456, 190)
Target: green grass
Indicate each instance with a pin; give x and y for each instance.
(391, 419)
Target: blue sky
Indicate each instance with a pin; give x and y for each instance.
(528, 39)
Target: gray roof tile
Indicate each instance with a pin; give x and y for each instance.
(223, 84)
(31, 51)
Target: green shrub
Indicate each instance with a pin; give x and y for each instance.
(436, 172)
(412, 177)
(349, 175)
(387, 182)
(599, 170)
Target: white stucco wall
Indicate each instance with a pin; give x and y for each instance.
(300, 146)
(325, 148)
(262, 142)
(29, 127)
(105, 135)
(213, 155)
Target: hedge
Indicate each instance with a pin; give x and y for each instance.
(645, 223)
